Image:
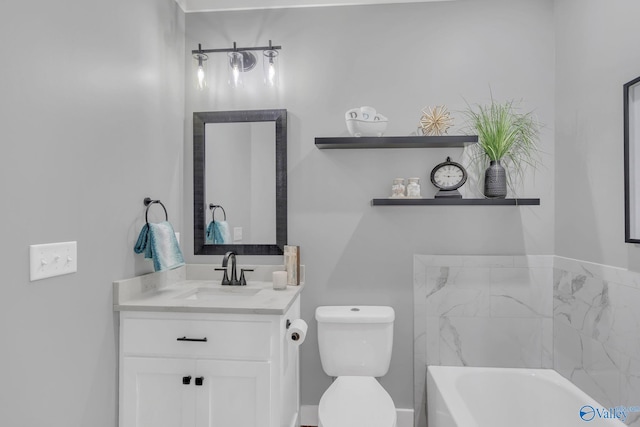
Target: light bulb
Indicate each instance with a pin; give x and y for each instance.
(236, 76)
(236, 65)
(271, 74)
(201, 75)
(201, 80)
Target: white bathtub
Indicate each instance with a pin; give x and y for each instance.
(507, 397)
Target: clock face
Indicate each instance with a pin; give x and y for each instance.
(448, 175)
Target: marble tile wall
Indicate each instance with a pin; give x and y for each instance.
(481, 311)
(596, 314)
(580, 318)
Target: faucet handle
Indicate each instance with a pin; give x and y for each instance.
(225, 278)
(243, 281)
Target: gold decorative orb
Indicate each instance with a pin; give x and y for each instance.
(436, 120)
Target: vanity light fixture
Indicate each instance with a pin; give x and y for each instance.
(241, 59)
(270, 66)
(236, 66)
(201, 73)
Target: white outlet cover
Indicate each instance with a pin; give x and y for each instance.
(53, 259)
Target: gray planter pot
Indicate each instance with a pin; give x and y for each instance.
(495, 181)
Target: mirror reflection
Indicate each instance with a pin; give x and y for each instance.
(240, 186)
(242, 209)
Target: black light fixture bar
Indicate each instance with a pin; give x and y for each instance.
(235, 49)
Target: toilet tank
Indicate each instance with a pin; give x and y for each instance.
(355, 340)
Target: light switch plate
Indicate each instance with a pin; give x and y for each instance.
(237, 234)
(53, 259)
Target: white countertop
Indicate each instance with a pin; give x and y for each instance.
(196, 288)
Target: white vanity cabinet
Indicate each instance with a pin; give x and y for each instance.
(187, 369)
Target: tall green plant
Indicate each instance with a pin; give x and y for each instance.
(506, 135)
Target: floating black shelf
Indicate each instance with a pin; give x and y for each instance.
(444, 141)
(454, 202)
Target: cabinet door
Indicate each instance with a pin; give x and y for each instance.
(233, 394)
(153, 393)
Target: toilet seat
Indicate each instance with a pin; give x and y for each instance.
(356, 401)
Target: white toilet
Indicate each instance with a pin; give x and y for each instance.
(355, 346)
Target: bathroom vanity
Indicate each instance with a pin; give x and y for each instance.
(194, 353)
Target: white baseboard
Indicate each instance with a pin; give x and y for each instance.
(405, 417)
(309, 416)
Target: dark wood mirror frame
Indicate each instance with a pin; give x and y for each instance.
(200, 119)
(631, 169)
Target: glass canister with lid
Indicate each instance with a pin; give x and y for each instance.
(398, 188)
(413, 188)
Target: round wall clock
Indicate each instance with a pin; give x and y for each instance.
(448, 176)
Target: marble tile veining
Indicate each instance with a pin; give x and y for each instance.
(458, 291)
(580, 318)
(491, 342)
(596, 317)
(481, 311)
(521, 292)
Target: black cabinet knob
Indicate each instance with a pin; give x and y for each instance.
(186, 380)
(199, 380)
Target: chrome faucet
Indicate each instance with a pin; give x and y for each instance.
(234, 275)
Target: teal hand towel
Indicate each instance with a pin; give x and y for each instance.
(158, 242)
(221, 233)
(209, 234)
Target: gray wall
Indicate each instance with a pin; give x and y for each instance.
(596, 46)
(397, 59)
(90, 123)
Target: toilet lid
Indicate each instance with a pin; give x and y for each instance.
(356, 401)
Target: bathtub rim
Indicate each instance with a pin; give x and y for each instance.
(444, 379)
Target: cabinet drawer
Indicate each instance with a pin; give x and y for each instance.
(221, 339)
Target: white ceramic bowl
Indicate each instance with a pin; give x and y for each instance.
(366, 127)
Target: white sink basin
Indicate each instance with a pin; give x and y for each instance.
(219, 293)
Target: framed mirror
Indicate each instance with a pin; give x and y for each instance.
(240, 182)
(632, 160)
